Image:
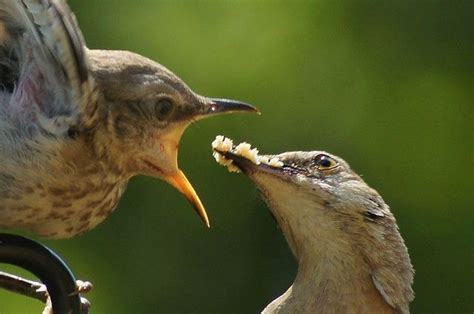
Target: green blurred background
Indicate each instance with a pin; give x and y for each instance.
(386, 85)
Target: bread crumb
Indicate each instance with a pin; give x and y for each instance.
(224, 144)
(245, 150)
(275, 162)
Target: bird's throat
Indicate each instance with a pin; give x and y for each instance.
(332, 274)
(331, 284)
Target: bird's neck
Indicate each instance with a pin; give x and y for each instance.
(106, 148)
(334, 281)
(330, 287)
(333, 277)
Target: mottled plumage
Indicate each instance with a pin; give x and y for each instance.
(351, 257)
(77, 124)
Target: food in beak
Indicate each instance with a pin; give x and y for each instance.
(223, 145)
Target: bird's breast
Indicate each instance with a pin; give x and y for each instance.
(58, 200)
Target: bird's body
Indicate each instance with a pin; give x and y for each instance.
(77, 124)
(351, 257)
(60, 191)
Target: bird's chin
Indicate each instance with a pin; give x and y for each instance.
(152, 169)
(264, 175)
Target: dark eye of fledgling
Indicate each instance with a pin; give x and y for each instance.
(324, 162)
(164, 108)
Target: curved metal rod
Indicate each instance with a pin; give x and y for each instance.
(47, 266)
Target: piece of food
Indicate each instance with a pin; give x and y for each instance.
(274, 162)
(223, 145)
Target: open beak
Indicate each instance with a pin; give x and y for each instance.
(165, 165)
(182, 184)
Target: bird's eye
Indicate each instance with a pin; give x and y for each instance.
(324, 162)
(164, 108)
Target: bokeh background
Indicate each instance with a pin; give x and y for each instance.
(387, 85)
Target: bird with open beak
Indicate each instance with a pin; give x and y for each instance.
(77, 124)
(351, 257)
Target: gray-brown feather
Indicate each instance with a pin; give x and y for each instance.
(351, 255)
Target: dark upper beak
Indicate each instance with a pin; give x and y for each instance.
(243, 163)
(217, 106)
(248, 166)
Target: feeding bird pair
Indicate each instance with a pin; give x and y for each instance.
(77, 124)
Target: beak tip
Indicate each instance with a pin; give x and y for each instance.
(220, 105)
(205, 219)
(180, 182)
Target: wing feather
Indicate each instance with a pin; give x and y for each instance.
(42, 49)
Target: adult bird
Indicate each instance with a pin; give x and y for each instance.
(351, 257)
(76, 124)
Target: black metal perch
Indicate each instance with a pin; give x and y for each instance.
(47, 266)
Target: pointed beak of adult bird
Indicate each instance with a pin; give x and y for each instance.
(248, 167)
(241, 162)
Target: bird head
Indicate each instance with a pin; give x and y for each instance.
(316, 181)
(330, 216)
(146, 109)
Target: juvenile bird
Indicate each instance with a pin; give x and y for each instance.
(351, 257)
(77, 124)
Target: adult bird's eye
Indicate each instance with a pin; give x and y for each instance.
(164, 108)
(324, 162)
